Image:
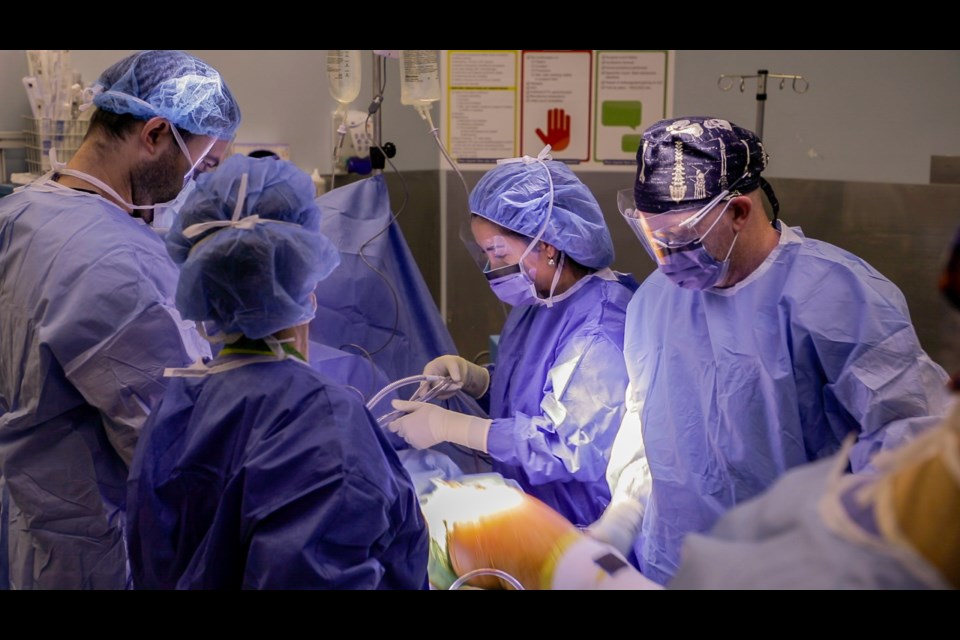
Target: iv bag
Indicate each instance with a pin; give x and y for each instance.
(419, 77)
(343, 71)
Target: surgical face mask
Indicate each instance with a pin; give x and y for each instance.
(692, 266)
(513, 286)
(504, 269)
(509, 280)
(164, 215)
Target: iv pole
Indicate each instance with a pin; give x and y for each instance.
(799, 85)
(379, 151)
(377, 140)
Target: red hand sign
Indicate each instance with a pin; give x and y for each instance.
(558, 130)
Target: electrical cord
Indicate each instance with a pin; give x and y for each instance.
(374, 107)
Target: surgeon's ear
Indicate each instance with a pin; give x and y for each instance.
(153, 132)
(741, 208)
(550, 250)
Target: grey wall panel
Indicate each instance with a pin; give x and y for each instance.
(903, 231)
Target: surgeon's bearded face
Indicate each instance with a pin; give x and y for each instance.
(158, 181)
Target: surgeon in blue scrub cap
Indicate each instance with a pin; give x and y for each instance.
(255, 470)
(752, 349)
(87, 315)
(556, 391)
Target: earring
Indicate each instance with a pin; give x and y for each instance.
(552, 262)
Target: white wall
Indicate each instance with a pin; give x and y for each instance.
(869, 116)
(874, 116)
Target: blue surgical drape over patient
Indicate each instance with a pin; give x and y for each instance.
(735, 386)
(389, 314)
(376, 303)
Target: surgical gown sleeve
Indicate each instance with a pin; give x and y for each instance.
(873, 367)
(628, 470)
(580, 411)
(114, 329)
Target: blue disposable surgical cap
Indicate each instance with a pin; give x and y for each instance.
(171, 84)
(516, 195)
(250, 276)
(684, 163)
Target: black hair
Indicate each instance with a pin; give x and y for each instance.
(119, 125)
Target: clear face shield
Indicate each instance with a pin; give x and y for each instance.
(195, 167)
(662, 234)
(496, 253)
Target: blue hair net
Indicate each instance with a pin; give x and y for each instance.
(171, 84)
(516, 195)
(258, 278)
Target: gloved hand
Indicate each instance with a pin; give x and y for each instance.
(471, 378)
(427, 424)
(618, 525)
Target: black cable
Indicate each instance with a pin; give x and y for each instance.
(374, 106)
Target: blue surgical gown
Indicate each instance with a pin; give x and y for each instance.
(87, 325)
(803, 533)
(735, 386)
(556, 396)
(270, 476)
